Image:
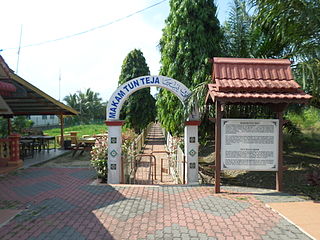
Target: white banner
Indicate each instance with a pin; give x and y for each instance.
(249, 144)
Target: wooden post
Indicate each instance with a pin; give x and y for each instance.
(279, 173)
(155, 168)
(161, 179)
(61, 130)
(9, 126)
(151, 170)
(184, 169)
(217, 147)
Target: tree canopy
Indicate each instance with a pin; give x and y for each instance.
(139, 109)
(88, 104)
(239, 37)
(291, 29)
(191, 36)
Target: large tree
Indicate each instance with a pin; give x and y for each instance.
(191, 36)
(139, 110)
(240, 38)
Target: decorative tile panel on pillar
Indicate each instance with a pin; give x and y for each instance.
(191, 148)
(15, 151)
(114, 151)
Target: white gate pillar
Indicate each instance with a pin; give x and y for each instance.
(191, 149)
(114, 151)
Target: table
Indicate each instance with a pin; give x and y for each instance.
(41, 141)
(84, 144)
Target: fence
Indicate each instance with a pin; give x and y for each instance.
(140, 140)
(129, 160)
(177, 158)
(177, 163)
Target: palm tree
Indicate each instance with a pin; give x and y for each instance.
(291, 29)
(89, 105)
(72, 100)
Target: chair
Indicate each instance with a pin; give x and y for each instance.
(77, 146)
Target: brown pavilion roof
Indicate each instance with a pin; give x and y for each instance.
(25, 99)
(254, 80)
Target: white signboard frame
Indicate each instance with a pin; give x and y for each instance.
(249, 144)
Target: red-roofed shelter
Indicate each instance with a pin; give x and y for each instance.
(252, 81)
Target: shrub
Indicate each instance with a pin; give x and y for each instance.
(128, 150)
(99, 158)
(308, 119)
(99, 153)
(314, 178)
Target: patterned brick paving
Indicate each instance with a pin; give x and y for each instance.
(218, 206)
(71, 207)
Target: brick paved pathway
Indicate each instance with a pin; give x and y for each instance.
(155, 143)
(62, 203)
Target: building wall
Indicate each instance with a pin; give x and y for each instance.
(44, 120)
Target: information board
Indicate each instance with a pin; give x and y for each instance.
(249, 144)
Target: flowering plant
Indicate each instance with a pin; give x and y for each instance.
(99, 157)
(128, 138)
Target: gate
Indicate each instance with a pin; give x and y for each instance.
(142, 170)
(114, 124)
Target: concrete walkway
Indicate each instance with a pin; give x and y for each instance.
(63, 203)
(38, 158)
(155, 145)
(43, 156)
(306, 215)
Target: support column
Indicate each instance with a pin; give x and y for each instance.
(61, 131)
(279, 173)
(114, 151)
(15, 160)
(191, 149)
(9, 126)
(217, 148)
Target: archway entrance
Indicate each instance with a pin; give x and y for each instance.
(114, 123)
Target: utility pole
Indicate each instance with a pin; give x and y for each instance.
(59, 84)
(17, 68)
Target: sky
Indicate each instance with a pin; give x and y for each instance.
(90, 60)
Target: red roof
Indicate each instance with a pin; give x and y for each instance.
(258, 97)
(255, 80)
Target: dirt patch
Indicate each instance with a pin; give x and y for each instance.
(68, 160)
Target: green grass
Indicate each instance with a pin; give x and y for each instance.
(91, 129)
(307, 120)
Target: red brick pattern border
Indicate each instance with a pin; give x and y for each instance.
(79, 210)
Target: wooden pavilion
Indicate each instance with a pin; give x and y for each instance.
(19, 97)
(266, 82)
